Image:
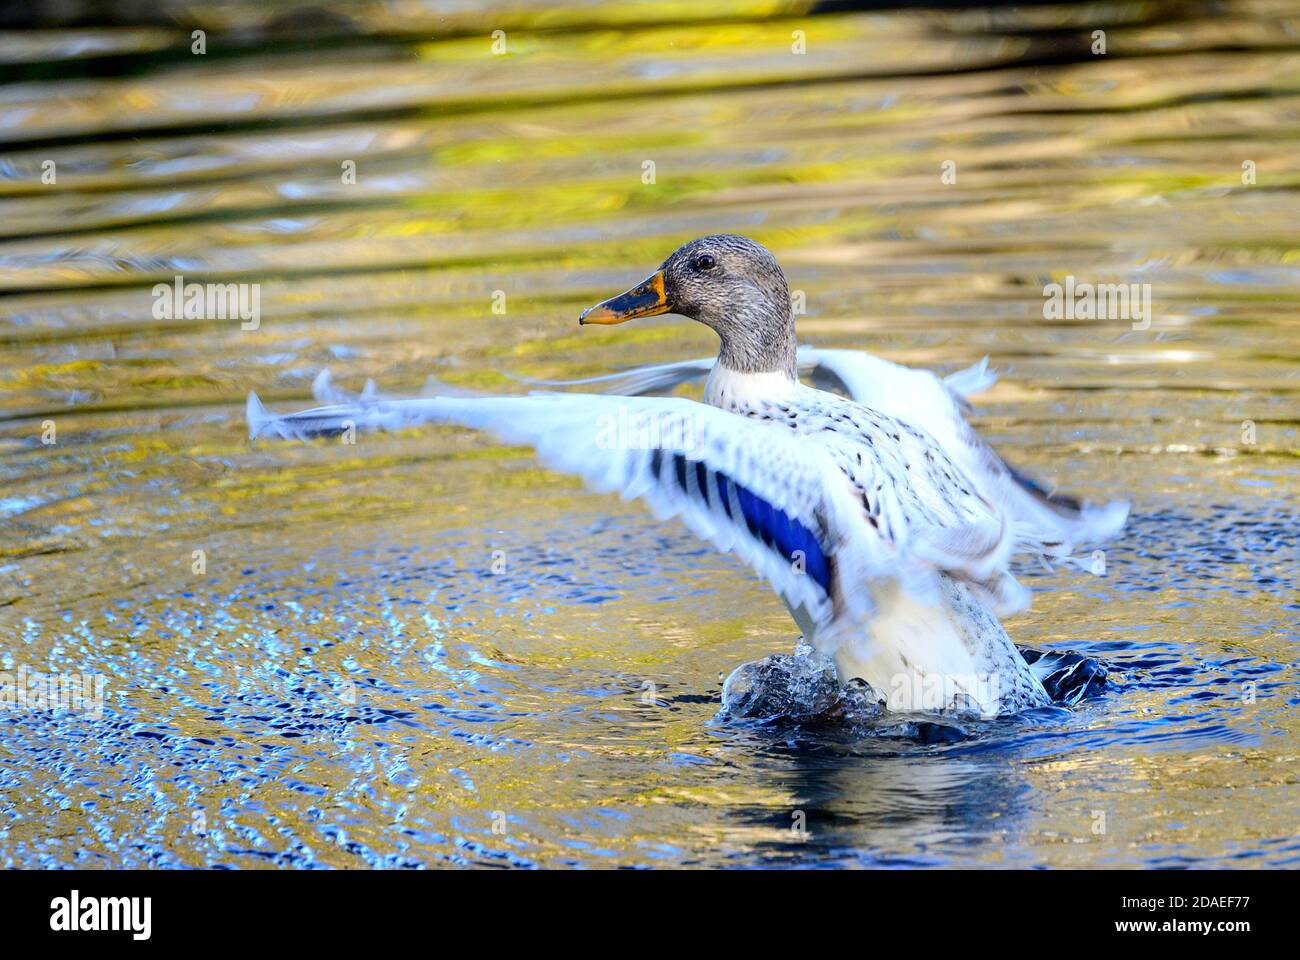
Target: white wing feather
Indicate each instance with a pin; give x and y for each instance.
(580, 434)
(936, 405)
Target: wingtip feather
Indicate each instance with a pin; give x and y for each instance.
(256, 415)
(1101, 523)
(974, 379)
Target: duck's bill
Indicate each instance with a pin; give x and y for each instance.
(646, 299)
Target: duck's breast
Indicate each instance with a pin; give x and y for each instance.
(932, 653)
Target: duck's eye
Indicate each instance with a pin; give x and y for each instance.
(704, 262)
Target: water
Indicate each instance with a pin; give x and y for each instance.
(422, 649)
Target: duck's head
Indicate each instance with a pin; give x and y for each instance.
(726, 282)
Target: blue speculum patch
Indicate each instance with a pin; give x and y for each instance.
(780, 531)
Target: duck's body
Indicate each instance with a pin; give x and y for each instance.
(887, 528)
(944, 648)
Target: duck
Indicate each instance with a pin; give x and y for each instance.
(878, 515)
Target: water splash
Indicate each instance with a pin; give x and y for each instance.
(802, 690)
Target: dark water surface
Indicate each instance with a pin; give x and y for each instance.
(421, 649)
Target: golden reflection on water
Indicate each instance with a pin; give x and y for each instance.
(525, 693)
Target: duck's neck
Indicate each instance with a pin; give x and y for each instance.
(744, 381)
(757, 361)
(761, 343)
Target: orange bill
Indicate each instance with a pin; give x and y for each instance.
(646, 299)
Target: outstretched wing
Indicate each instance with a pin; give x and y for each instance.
(748, 487)
(938, 405)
